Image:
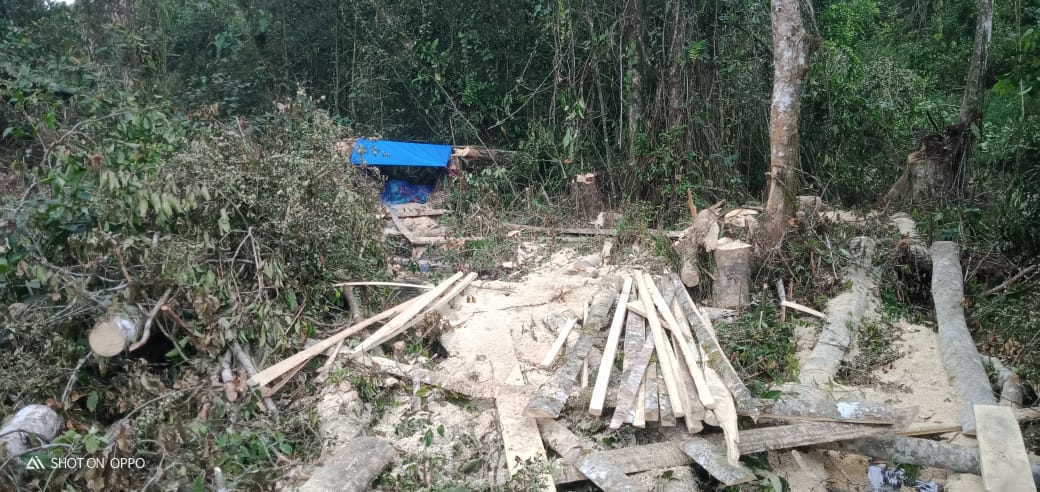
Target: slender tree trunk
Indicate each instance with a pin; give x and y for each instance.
(635, 73)
(790, 64)
(971, 104)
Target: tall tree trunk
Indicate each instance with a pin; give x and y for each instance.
(937, 169)
(635, 74)
(790, 64)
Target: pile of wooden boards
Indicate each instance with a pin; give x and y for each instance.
(401, 317)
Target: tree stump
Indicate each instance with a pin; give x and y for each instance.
(733, 273)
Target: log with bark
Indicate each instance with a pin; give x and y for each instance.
(959, 354)
(352, 467)
(703, 234)
(30, 427)
(121, 326)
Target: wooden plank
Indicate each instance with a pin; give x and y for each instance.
(606, 363)
(635, 335)
(561, 339)
(630, 381)
(552, 395)
(715, 357)
(665, 402)
(1002, 454)
(695, 412)
(634, 459)
(651, 399)
(383, 284)
(804, 309)
(688, 347)
(639, 416)
(824, 411)
(726, 412)
(411, 316)
(410, 308)
(713, 459)
(520, 436)
(667, 365)
(606, 476)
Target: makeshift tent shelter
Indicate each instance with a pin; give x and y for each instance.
(404, 186)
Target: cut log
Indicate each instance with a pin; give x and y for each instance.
(364, 457)
(520, 436)
(552, 395)
(916, 451)
(827, 411)
(561, 339)
(733, 273)
(959, 353)
(713, 459)
(1002, 455)
(30, 427)
(843, 315)
(606, 364)
(714, 355)
(119, 328)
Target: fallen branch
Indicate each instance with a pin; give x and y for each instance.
(146, 330)
(246, 362)
(383, 284)
(1011, 281)
(31, 425)
(804, 309)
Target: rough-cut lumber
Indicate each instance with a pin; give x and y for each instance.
(29, 428)
(1002, 455)
(651, 398)
(713, 459)
(272, 373)
(364, 457)
(803, 434)
(410, 316)
(606, 476)
(520, 436)
(384, 284)
(664, 357)
(631, 378)
(606, 363)
(959, 354)
(804, 309)
(695, 412)
(634, 459)
(561, 338)
(843, 314)
(726, 412)
(828, 411)
(587, 232)
(714, 314)
(917, 451)
(635, 335)
(551, 397)
(715, 357)
(665, 403)
(116, 331)
(733, 273)
(687, 345)
(639, 414)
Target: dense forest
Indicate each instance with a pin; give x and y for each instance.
(182, 156)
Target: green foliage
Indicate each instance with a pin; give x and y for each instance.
(762, 347)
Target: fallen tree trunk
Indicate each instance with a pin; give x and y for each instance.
(115, 332)
(552, 395)
(352, 467)
(959, 353)
(916, 451)
(30, 427)
(843, 315)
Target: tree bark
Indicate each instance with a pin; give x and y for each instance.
(790, 64)
(31, 426)
(635, 73)
(971, 104)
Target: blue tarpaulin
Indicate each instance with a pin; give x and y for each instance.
(398, 192)
(389, 153)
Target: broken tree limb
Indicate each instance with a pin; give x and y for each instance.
(246, 362)
(407, 372)
(1002, 454)
(146, 328)
(843, 315)
(733, 273)
(29, 428)
(1009, 282)
(917, 451)
(959, 354)
(364, 457)
(606, 364)
(552, 395)
(120, 327)
(715, 357)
